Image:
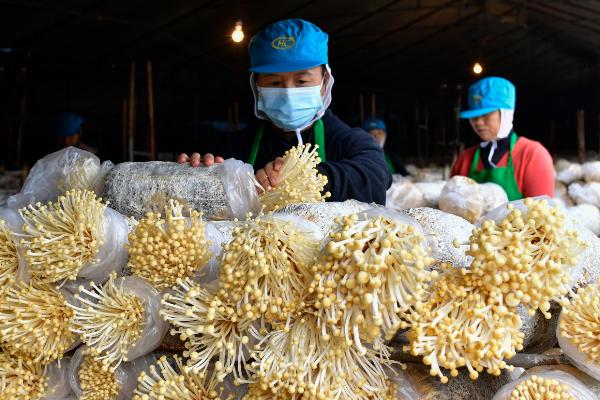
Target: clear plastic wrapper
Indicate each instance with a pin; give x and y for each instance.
(575, 387)
(58, 387)
(51, 176)
(591, 171)
(462, 196)
(431, 192)
(568, 172)
(586, 215)
(222, 191)
(561, 193)
(493, 195)
(404, 194)
(587, 193)
(404, 389)
(217, 239)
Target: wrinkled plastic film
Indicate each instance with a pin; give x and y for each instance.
(237, 179)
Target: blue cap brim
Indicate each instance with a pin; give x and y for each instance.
(478, 112)
(286, 67)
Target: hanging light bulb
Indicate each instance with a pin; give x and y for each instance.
(238, 34)
(477, 68)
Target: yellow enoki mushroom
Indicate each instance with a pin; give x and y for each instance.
(580, 321)
(265, 269)
(299, 363)
(35, 321)
(61, 237)
(210, 327)
(460, 325)
(9, 263)
(299, 180)
(21, 378)
(538, 388)
(369, 279)
(165, 383)
(96, 381)
(526, 258)
(164, 249)
(109, 320)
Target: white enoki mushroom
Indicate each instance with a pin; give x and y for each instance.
(21, 378)
(297, 363)
(538, 388)
(35, 321)
(369, 279)
(526, 258)
(96, 381)
(265, 269)
(82, 175)
(109, 320)
(580, 321)
(210, 327)
(165, 383)
(61, 237)
(460, 325)
(299, 180)
(9, 263)
(164, 249)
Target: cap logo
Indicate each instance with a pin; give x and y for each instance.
(477, 99)
(283, 42)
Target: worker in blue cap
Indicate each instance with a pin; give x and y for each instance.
(377, 129)
(292, 81)
(68, 131)
(523, 167)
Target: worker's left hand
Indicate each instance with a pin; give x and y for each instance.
(268, 177)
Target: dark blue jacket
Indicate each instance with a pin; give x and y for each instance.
(355, 167)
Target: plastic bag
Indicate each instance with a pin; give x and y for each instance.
(591, 171)
(404, 194)
(58, 387)
(222, 191)
(431, 192)
(125, 375)
(404, 388)
(561, 194)
(587, 193)
(493, 195)
(575, 387)
(428, 175)
(462, 196)
(217, 239)
(569, 172)
(69, 168)
(587, 215)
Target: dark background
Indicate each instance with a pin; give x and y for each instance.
(415, 56)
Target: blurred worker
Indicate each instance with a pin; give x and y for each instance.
(376, 128)
(523, 167)
(68, 132)
(291, 81)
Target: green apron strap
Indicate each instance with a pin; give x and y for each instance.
(389, 163)
(320, 139)
(319, 130)
(475, 162)
(256, 145)
(513, 140)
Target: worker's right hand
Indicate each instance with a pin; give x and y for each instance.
(197, 160)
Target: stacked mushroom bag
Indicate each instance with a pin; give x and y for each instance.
(466, 198)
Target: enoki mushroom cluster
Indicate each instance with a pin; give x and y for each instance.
(164, 249)
(9, 263)
(265, 268)
(580, 322)
(109, 320)
(96, 381)
(461, 326)
(21, 378)
(539, 388)
(210, 327)
(369, 279)
(299, 180)
(35, 321)
(61, 237)
(165, 383)
(526, 257)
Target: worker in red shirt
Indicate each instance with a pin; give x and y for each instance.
(523, 167)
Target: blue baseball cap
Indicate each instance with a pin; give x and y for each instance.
(68, 124)
(490, 94)
(374, 123)
(288, 45)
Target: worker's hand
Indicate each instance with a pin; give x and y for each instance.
(197, 160)
(268, 177)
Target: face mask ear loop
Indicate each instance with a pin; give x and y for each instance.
(299, 137)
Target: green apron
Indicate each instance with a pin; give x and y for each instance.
(390, 166)
(503, 176)
(319, 130)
